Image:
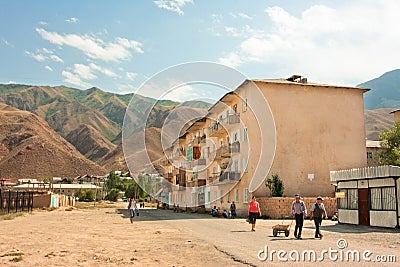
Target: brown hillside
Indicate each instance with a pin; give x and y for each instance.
(90, 142)
(377, 120)
(31, 149)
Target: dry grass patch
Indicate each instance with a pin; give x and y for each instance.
(16, 256)
(11, 216)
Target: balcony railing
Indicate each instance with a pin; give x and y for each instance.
(233, 118)
(223, 152)
(235, 147)
(229, 177)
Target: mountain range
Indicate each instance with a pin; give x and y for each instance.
(89, 120)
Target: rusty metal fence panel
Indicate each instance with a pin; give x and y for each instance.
(15, 201)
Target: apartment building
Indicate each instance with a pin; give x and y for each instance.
(298, 130)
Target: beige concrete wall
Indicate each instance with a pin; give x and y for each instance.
(318, 129)
(274, 207)
(382, 218)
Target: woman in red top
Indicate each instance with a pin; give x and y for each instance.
(254, 212)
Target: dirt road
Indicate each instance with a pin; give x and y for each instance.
(104, 236)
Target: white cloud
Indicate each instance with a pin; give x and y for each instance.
(42, 22)
(44, 54)
(240, 15)
(38, 57)
(74, 79)
(232, 60)
(72, 20)
(7, 43)
(131, 76)
(80, 74)
(173, 5)
(48, 68)
(56, 58)
(85, 72)
(11, 82)
(92, 47)
(105, 71)
(345, 44)
(245, 31)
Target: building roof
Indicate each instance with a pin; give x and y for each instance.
(57, 186)
(285, 81)
(365, 173)
(373, 144)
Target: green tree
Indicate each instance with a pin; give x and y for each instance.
(84, 194)
(47, 180)
(113, 181)
(390, 140)
(275, 184)
(112, 195)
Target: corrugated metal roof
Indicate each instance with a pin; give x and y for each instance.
(365, 173)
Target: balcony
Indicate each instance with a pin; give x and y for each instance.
(235, 147)
(201, 162)
(233, 118)
(223, 152)
(228, 177)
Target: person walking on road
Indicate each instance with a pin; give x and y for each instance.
(132, 208)
(299, 211)
(233, 210)
(318, 212)
(254, 212)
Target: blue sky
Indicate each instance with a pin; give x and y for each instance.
(117, 45)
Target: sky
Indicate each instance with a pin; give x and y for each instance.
(118, 45)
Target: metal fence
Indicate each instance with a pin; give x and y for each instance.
(15, 201)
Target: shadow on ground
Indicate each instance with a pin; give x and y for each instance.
(354, 229)
(160, 214)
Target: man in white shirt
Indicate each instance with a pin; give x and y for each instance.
(299, 211)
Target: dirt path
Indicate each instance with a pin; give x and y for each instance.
(104, 236)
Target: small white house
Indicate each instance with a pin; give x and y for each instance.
(368, 196)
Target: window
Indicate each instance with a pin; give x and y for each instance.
(208, 197)
(245, 134)
(236, 195)
(235, 108)
(236, 166)
(350, 200)
(383, 198)
(245, 195)
(222, 195)
(369, 155)
(245, 105)
(245, 164)
(228, 196)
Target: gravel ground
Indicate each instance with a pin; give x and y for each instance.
(105, 237)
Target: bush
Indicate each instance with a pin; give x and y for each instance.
(275, 184)
(85, 194)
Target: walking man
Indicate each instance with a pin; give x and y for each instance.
(318, 212)
(299, 211)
